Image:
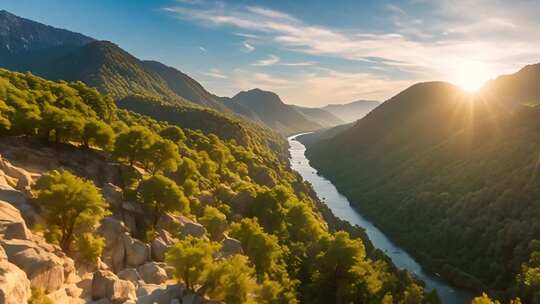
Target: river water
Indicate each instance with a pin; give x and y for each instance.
(341, 208)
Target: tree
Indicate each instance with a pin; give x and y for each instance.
(214, 221)
(191, 258)
(161, 156)
(160, 194)
(67, 125)
(173, 133)
(231, 281)
(340, 269)
(71, 204)
(98, 134)
(262, 249)
(90, 247)
(133, 143)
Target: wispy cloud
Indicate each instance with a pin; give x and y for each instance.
(248, 48)
(270, 60)
(215, 73)
(204, 50)
(497, 35)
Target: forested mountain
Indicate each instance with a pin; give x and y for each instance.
(350, 112)
(437, 165)
(126, 201)
(324, 118)
(63, 55)
(268, 108)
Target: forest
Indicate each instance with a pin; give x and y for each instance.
(291, 254)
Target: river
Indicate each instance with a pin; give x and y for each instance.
(341, 208)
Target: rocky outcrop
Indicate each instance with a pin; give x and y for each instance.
(12, 225)
(152, 273)
(193, 229)
(137, 252)
(112, 230)
(106, 285)
(159, 247)
(14, 285)
(230, 246)
(150, 294)
(130, 274)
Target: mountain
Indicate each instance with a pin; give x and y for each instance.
(322, 117)
(267, 107)
(353, 111)
(22, 35)
(437, 165)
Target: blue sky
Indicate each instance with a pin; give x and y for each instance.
(311, 52)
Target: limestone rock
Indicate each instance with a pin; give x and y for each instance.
(113, 194)
(129, 274)
(152, 273)
(114, 252)
(194, 229)
(12, 225)
(14, 285)
(159, 247)
(230, 246)
(106, 284)
(161, 295)
(137, 252)
(44, 269)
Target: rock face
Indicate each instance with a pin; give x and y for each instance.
(106, 285)
(12, 225)
(152, 273)
(230, 246)
(129, 274)
(159, 247)
(113, 230)
(137, 252)
(14, 285)
(194, 229)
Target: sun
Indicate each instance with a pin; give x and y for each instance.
(471, 76)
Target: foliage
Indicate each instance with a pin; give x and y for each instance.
(71, 204)
(160, 194)
(89, 247)
(214, 221)
(39, 297)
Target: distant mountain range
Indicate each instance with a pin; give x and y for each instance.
(60, 54)
(353, 111)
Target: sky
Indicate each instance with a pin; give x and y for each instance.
(315, 52)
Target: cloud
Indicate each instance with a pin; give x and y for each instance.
(248, 48)
(270, 60)
(216, 73)
(303, 63)
(204, 50)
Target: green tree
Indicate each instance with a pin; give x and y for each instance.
(71, 204)
(89, 247)
(214, 221)
(231, 281)
(262, 249)
(160, 194)
(97, 133)
(161, 156)
(173, 133)
(132, 144)
(64, 124)
(191, 259)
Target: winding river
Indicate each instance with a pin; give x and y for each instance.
(341, 207)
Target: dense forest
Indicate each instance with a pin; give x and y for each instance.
(451, 176)
(291, 254)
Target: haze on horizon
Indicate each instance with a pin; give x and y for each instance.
(316, 54)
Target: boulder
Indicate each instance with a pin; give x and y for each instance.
(19, 201)
(230, 246)
(161, 295)
(14, 285)
(194, 229)
(113, 194)
(129, 274)
(114, 252)
(152, 273)
(169, 222)
(168, 269)
(106, 285)
(146, 289)
(159, 247)
(137, 252)
(24, 178)
(12, 225)
(44, 269)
